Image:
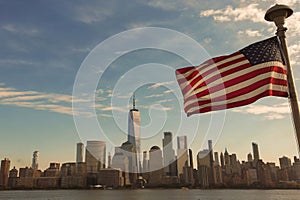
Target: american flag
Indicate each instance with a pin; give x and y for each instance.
(234, 80)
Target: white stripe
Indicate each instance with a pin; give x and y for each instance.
(216, 72)
(229, 77)
(236, 87)
(221, 62)
(242, 97)
(212, 66)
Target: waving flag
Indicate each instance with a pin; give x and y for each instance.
(234, 80)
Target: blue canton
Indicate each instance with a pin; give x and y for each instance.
(263, 51)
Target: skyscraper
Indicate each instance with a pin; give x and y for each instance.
(79, 152)
(95, 156)
(182, 154)
(182, 142)
(249, 157)
(109, 160)
(134, 131)
(5, 164)
(285, 162)
(216, 159)
(255, 152)
(168, 154)
(222, 160)
(211, 157)
(145, 162)
(203, 164)
(212, 178)
(155, 159)
(35, 157)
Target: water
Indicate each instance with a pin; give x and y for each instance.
(173, 194)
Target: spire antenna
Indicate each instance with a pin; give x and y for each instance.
(133, 101)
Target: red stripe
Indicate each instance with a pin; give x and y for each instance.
(240, 103)
(231, 82)
(213, 69)
(184, 70)
(214, 78)
(245, 90)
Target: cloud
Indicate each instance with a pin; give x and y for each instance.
(292, 23)
(92, 13)
(278, 111)
(154, 96)
(22, 30)
(163, 101)
(18, 62)
(168, 91)
(160, 107)
(156, 85)
(114, 108)
(59, 103)
(175, 5)
(156, 106)
(250, 12)
(105, 115)
(251, 33)
(294, 53)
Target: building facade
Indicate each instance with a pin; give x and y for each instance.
(95, 156)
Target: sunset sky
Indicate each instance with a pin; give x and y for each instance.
(45, 43)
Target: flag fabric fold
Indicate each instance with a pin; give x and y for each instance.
(234, 80)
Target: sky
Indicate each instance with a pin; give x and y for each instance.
(47, 45)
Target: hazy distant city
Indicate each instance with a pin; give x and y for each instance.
(158, 167)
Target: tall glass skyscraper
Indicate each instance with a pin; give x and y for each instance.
(5, 164)
(182, 154)
(255, 152)
(134, 121)
(35, 158)
(169, 154)
(95, 156)
(79, 152)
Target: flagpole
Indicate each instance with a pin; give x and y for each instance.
(278, 14)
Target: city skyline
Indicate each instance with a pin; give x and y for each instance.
(98, 146)
(208, 173)
(46, 43)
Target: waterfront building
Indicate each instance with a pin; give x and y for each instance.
(4, 172)
(13, 178)
(110, 178)
(156, 171)
(120, 161)
(296, 171)
(285, 162)
(69, 176)
(203, 165)
(52, 171)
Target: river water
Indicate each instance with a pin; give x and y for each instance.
(153, 194)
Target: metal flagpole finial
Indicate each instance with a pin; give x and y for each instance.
(278, 14)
